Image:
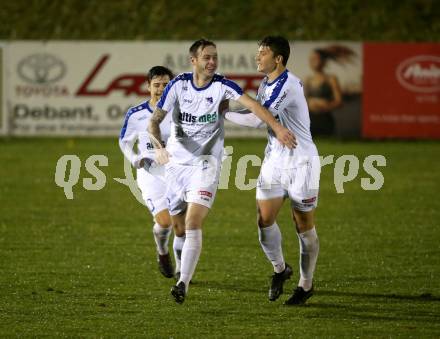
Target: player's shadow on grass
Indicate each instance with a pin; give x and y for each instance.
(367, 312)
(393, 307)
(392, 296)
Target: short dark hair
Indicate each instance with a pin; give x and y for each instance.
(158, 71)
(278, 45)
(199, 43)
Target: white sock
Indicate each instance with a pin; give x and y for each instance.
(161, 236)
(190, 255)
(309, 249)
(177, 247)
(270, 240)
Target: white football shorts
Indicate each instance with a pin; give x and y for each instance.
(153, 188)
(190, 184)
(300, 184)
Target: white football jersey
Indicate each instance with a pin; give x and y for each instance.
(135, 128)
(284, 98)
(197, 125)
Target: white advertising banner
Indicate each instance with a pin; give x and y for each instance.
(81, 88)
(3, 114)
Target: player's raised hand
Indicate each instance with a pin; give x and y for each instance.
(162, 156)
(285, 137)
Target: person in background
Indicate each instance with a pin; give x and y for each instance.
(322, 90)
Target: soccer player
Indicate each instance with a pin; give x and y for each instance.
(150, 176)
(195, 146)
(285, 173)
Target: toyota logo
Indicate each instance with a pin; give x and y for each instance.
(41, 69)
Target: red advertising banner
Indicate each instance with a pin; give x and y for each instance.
(401, 90)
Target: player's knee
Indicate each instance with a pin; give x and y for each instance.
(163, 224)
(265, 220)
(304, 220)
(303, 227)
(163, 220)
(192, 223)
(304, 224)
(179, 230)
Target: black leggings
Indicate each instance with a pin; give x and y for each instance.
(322, 124)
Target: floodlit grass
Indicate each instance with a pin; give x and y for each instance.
(86, 267)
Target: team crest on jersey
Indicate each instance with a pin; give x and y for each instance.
(209, 100)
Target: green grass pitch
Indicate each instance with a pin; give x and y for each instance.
(86, 267)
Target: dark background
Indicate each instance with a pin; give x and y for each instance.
(373, 20)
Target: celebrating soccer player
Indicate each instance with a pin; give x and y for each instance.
(150, 176)
(195, 146)
(292, 173)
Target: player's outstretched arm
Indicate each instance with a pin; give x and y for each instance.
(247, 119)
(283, 135)
(242, 117)
(162, 156)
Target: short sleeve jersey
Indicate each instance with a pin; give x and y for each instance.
(284, 98)
(135, 126)
(197, 125)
